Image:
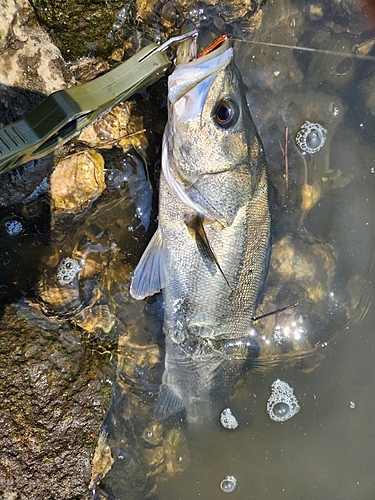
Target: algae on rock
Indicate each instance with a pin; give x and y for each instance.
(78, 28)
(54, 396)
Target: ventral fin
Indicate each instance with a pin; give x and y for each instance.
(196, 227)
(149, 276)
(168, 403)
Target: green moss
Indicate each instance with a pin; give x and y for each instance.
(78, 28)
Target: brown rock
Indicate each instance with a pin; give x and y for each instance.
(77, 181)
(53, 401)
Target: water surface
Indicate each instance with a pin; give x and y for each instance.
(323, 226)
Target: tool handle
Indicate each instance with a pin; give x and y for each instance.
(63, 114)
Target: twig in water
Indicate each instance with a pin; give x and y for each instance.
(286, 158)
(284, 151)
(291, 306)
(106, 143)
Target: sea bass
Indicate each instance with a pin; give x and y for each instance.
(211, 250)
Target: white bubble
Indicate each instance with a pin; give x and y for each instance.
(228, 484)
(282, 404)
(13, 227)
(228, 420)
(311, 137)
(67, 270)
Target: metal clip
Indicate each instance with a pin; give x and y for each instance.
(172, 42)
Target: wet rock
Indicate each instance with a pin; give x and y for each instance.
(120, 126)
(15, 102)
(332, 72)
(54, 397)
(310, 195)
(367, 89)
(364, 48)
(85, 69)
(77, 181)
(71, 289)
(170, 458)
(28, 57)
(78, 28)
(201, 11)
(353, 7)
(315, 11)
(303, 273)
(26, 182)
(31, 67)
(279, 68)
(79, 178)
(146, 452)
(102, 461)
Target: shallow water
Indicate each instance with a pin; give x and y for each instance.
(325, 451)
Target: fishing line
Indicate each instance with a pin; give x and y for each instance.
(308, 49)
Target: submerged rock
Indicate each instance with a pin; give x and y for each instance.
(77, 181)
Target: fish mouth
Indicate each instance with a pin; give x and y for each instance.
(188, 75)
(187, 50)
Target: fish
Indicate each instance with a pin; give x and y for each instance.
(210, 253)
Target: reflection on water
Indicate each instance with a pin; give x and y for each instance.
(317, 135)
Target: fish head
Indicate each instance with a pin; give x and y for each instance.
(211, 148)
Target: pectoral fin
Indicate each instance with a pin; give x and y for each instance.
(175, 186)
(181, 190)
(168, 403)
(149, 276)
(196, 227)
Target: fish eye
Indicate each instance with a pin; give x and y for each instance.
(226, 114)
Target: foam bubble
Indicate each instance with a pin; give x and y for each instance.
(228, 484)
(13, 227)
(311, 137)
(228, 420)
(67, 270)
(282, 404)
